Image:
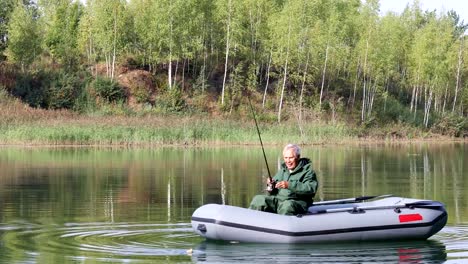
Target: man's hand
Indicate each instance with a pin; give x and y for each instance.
(282, 185)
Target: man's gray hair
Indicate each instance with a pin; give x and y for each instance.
(295, 148)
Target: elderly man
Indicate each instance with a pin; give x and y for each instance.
(296, 184)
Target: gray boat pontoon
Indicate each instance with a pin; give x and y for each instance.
(354, 219)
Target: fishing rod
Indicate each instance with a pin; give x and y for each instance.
(271, 185)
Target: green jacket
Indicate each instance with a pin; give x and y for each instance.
(302, 181)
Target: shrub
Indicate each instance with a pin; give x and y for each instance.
(29, 88)
(130, 62)
(108, 90)
(450, 125)
(171, 100)
(200, 101)
(63, 91)
(85, 102)
(392, 110)
(141, 94)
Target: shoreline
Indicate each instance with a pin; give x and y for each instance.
(143, 145)
(21, 125)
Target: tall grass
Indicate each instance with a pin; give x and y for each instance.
(21, 124)
(162, 131)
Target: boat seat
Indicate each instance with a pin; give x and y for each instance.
(315, 209)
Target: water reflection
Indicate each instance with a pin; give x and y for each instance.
(395, 252)
(136, 204)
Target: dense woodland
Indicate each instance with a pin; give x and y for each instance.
(302, 60)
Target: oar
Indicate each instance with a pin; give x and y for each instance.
(357, 209)
(352, 200)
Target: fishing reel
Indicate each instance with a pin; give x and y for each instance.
(271, 188)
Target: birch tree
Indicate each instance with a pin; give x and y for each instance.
(226, 53)
(365, 49)
(61, 32)
(24, 36)
(6, 8)
(106, 22)
(430, 63)
(282, 33)
(458, 72)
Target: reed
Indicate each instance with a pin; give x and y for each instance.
(21, 124)
(188, 131)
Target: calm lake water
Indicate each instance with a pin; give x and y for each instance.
(119, 205)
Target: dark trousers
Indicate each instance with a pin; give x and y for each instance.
(275, 204)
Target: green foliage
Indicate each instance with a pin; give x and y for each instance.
(113, 109)
(108, 90)
(451, 125)
(235, 87)
(104, 30)
(63, 91)
(24, 36)
(379, 65)
(199, 101)
(391, 110)
(141, 94)
(28, 87)
(48, 89)
(62, 18)
(85, 101)
(130, 62)
(6, 7)
(266, 117)
(171, 100)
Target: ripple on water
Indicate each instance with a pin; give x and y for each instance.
(101, 240)
(455, 239)
(177, 243)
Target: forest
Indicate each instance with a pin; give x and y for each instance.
(299, 61)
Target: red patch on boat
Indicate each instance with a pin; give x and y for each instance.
(410, 218)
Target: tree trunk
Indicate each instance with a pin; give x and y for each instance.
(107, 65)
(364, 92)
(460, 61)
(445, 98)
(183, 74)
(413, 94)
(323, 75)
(371, 98)
(114, 45)
(303, 87)
(267, 81)
(283, 87)
(227, 52)
(285, 75)
(169, 69)
(427, 109)
(253, 32)
(174, 80)
(364, 96)
(204, 71)
(90, 51)
(416, 96)
(358, 75)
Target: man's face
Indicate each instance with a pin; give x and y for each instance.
(290, 159)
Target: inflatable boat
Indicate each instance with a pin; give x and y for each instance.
(354, 219)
